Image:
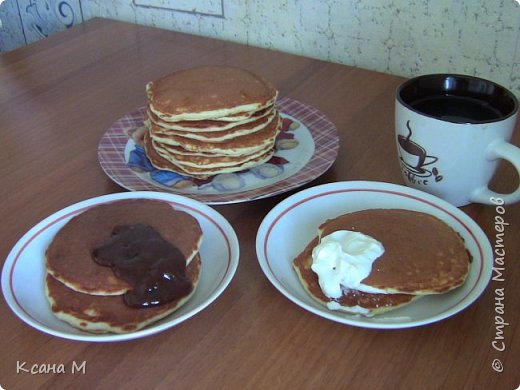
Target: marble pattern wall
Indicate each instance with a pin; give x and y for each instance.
(26, 21)
(404, 37)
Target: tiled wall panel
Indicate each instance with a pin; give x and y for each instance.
(404, 37)
(26, 21)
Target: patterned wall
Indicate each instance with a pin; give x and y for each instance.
(26, 21)
(403, 37)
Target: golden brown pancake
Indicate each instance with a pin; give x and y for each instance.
(69, 255)
(208, 92)
(201, 127)
(238, 145)
(352, 301)
(204, 159)
(157, 132)
(423, 255)
(161, 162)
(104, 314)
(210, 120)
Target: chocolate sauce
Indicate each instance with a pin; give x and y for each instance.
(154, 267)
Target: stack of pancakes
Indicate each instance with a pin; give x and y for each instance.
(90, 296)
(422, 256)
(209, 120)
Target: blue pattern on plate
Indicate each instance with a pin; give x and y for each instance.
(137, 159)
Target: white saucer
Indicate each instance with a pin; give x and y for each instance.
(24, 269)
(289, 227)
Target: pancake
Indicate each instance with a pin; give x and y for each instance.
(352, 301)
(160, 162)
(208, 125)
(243, 144)
(209, 92)
(158, 132)
(69, 255)
(423, 255)
(210, 120)
(205, 160)
(109, 314)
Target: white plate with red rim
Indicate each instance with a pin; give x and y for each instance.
(288, 228)
(24, 269)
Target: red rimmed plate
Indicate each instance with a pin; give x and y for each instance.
(23, 274)
(309, 208)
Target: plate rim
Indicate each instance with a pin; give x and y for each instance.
(242, 196)
(478, 235)
(188, 204)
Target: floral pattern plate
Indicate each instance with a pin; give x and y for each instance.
(305, 148)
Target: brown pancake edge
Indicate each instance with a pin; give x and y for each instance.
(109, 314)
(161, 162)
(351, 300)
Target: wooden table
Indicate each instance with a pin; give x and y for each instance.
(59, 96)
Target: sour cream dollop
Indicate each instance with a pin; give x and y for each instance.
(343, 259)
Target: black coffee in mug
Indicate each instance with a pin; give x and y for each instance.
(457, 98)
(457, 109)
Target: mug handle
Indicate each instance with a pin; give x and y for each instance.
(499, 149)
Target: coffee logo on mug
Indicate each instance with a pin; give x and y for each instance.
(415, 160)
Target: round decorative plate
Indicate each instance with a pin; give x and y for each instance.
(290, 226)
(305, 148)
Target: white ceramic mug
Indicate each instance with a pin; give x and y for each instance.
(451, 132)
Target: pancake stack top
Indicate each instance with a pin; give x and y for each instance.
(209, 120)
(422, 256)
(101, 264)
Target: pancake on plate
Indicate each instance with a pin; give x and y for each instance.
(245, 144)
(213, 127)
(352, 301)
(215, 111)
(109, 314)
(69, 259)
(422, 256)
(119, 266)
(209, 92)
